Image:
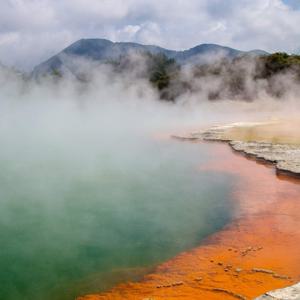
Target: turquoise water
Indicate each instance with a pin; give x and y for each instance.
(76, 219)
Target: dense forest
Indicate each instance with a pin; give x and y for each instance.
(242, 78)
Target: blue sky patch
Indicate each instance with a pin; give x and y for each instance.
(293, 3)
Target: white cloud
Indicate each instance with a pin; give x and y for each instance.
(149, 33)
(127, 33)
(32, 30)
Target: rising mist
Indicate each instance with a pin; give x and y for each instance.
(93, 189)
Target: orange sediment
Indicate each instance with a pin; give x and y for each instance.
(258, 251)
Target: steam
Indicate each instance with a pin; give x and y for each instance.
(91, 102)
(79, 151)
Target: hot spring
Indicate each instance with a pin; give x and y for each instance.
(90, 200)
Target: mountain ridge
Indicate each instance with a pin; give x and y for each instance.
(102, 50)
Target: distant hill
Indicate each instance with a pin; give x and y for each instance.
(102, 50)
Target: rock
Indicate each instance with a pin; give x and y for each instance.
(245, 252)
(198, 279)
(177, 283)
(289, 293)
(230, 293)
(263, 271)
(284, 277)
(286, 157)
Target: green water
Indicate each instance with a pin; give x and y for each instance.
(76, 220)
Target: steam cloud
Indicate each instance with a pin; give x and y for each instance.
(58, 132)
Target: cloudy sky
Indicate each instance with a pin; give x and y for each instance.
(33, 30)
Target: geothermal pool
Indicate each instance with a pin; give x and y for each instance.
(77, 218)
